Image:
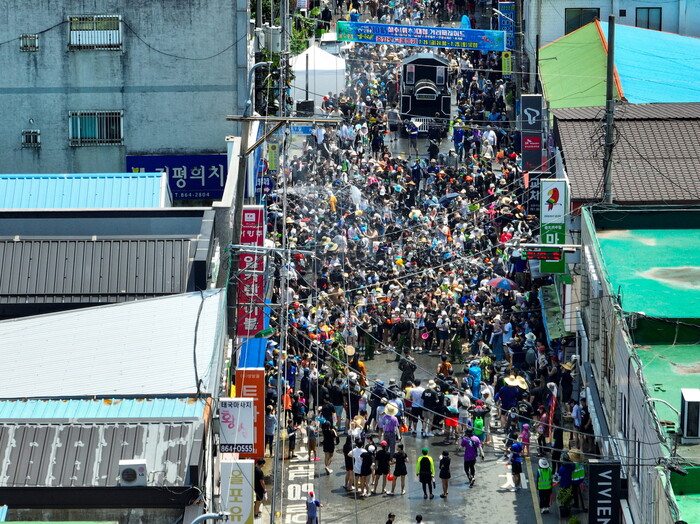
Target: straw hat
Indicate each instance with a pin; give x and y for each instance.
(520, 382)
(391, 409)
(432, 384)
(568, 366)
(575, 455)
(512, 380)
(349, 350)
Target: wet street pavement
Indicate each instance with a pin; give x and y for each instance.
(489, 501)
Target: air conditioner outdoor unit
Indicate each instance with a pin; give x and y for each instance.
(133, 472)
(690, 416)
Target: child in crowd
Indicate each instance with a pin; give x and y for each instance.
(525, 439)
(312, 440)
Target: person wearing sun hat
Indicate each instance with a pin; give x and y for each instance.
(391, 426)
(544, 485)
(507, 397)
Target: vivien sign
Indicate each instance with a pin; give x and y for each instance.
(604, 492)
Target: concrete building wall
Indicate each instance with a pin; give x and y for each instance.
(636, 437)
(180, 72)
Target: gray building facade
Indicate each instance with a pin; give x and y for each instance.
(86, 83)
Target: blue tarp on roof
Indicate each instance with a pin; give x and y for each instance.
(84, 191)
(103, 408)
(656, 67)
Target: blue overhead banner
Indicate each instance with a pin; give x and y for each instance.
(189, 176)
(451, 37)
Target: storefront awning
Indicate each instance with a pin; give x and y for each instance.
(552, 313)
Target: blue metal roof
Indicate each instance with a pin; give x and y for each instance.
(670, 65)
(84, 191)
(103, 408)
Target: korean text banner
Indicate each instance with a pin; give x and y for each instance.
(421, 36)
(189, 176)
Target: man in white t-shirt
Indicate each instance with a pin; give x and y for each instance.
(356, 454)
(416, 395)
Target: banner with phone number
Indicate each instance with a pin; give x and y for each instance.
(451, 37)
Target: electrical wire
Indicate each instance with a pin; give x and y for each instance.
(390, 349)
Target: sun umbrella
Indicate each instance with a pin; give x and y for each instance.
(502, 283)
(448, 197)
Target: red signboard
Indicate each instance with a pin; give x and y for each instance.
(253, 225)
(251, 319)
(531, 143)
(251, 288)
(251, 282)
(251, 262)
(250, 383)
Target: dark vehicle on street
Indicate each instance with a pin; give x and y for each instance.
(425, 90)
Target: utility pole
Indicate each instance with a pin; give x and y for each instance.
(239, 197)
(609, 115)
(518, 51)
(285, 30)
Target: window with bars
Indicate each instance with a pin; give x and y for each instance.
(100, 32)
(31, 138)
(649, 18)
(96, 128)
(28, 42)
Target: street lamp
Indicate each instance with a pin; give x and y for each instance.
(499, 13)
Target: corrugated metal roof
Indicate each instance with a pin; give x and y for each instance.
(654, 160)
(625, 111)
(143, 347)
(102, 408)
(84, 191)
(89, 271)
(88, 455)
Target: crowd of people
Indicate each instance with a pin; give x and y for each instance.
(416, 258)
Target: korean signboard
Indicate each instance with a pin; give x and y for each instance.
(507, 64)
(253, 225)
(189, 176)
(250, 384)
(604, 492)
(531, 136)
(251, 284)
(251, 288)
(237, 493)
(553, 209)
(236, 417)
(251, 262)
(451, 37)
(506, 22)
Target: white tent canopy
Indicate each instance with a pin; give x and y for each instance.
(326, 72)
